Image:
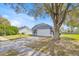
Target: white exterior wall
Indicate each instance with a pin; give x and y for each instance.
(25, 31)
(43, 32)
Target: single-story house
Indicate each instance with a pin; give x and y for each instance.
(42, 30)
(25, 30)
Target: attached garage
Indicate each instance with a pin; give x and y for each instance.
(42, 30)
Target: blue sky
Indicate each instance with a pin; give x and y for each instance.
(21, 19)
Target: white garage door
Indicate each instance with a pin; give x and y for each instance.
(43, 32)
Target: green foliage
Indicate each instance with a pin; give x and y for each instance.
(1, 32)
(8, 30)
(72, 23)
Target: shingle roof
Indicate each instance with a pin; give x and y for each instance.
(42, 26)
(24, 27)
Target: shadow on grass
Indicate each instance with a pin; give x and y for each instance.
(12, 52)
(66, 47)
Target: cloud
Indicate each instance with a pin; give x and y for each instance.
(15, 23)
(25, 16)
(20, 19)
(13, 20)
(31, 18)
(6, 16)
(16, 19)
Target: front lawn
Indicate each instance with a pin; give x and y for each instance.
(16, 36)
(72, 36)
(66, 47)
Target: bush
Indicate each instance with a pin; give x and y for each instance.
(1, 32)
(8, 30)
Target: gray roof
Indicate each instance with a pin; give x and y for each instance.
(42, 26)
(24, 27)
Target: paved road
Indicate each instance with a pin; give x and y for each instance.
(20, 45)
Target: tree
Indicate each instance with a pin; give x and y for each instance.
(57, 11)
(11, 30)
(4, 21)
(73, 20)
(8, 30)
(72, 24)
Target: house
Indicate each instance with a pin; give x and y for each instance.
(42, 30)
(25, 30)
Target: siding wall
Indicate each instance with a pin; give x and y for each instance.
(25, 31)
(43, 32)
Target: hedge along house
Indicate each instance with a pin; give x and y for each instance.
(42, 30)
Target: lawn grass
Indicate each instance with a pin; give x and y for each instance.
(66, 46)
(16, 36)
(72, 36)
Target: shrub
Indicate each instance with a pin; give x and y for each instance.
(8, 30)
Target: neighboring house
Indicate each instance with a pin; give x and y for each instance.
(42, 30)
(25, 30)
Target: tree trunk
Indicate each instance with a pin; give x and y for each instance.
(56, 35)
(72, 29)
(57, 20)
(54, 41)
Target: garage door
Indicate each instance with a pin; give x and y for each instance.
(43, 32)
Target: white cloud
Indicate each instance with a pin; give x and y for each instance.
(15, 23)
(6, 16)
(19, 19)
(25, 16)
(30, 18)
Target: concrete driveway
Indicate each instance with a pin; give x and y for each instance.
(20, 45)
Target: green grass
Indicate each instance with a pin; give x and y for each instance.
(72, 36)
(16, 36)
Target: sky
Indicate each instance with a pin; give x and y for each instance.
(23, 19)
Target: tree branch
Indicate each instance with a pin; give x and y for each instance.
(64, 15)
